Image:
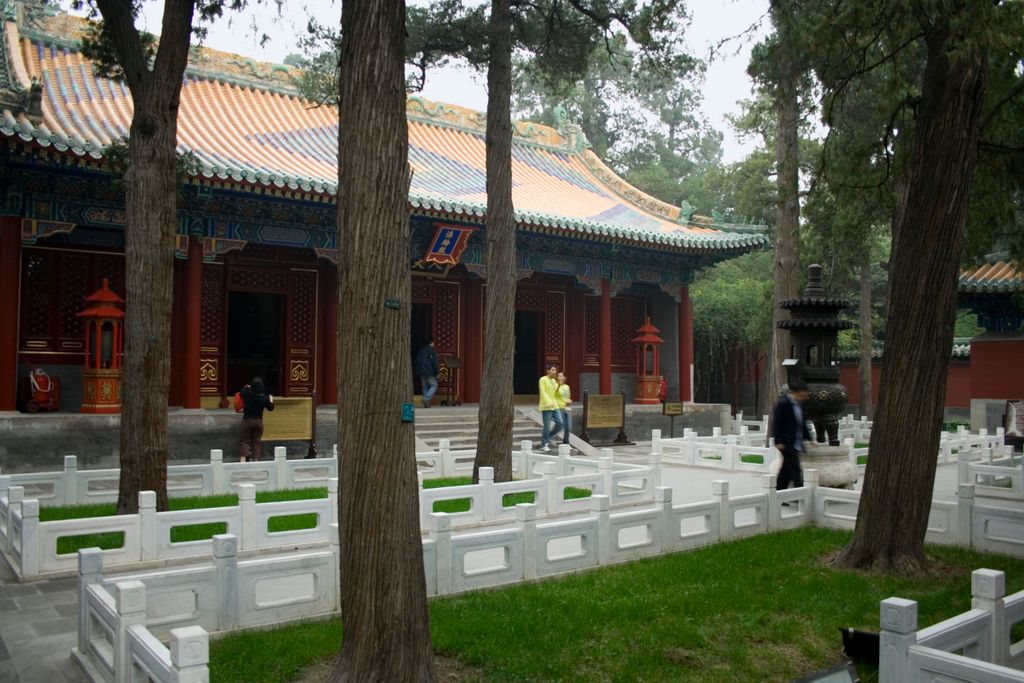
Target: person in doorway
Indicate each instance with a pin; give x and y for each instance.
(256, 401)
(563, 397)
(426, 368)
(788, 432)
(547, 388)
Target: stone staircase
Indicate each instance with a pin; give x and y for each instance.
(460, 426)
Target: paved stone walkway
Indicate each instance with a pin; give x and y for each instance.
(38, 628)
(39, 619)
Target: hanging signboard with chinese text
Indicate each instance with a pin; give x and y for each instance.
(448, 244)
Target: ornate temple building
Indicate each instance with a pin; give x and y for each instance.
(256, 269)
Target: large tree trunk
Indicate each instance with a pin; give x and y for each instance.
(386, 634)
(494, 444)
(866, 334)
(151, 223)
(787, 210)
(893, 514)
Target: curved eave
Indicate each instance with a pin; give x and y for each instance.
(997, 287)
(592, 230)
(816, 324)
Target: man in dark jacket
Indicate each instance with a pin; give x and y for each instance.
(426, 367)
(788, 432)
(256, 401)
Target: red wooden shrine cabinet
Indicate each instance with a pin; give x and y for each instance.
(648, 379)
(104, 351)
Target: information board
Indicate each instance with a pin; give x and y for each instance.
(290, 420)
(604, 411)
(671, 408)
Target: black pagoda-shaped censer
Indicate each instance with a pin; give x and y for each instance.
(814, 355)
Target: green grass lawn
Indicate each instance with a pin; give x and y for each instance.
(762, 609)
(180, 534)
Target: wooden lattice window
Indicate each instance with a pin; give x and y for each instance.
(211, 324)
(446, 318)
(591, 329)
(36, 306)
(627, 316)
(304, 308)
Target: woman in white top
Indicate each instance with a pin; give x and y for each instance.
(563, 396)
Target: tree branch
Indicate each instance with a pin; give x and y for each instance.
(119, 29)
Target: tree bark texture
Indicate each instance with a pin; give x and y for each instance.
(151, 222)
(896, 498)
(787, 210)
(494, 445)
(866, 335)
(386, 634)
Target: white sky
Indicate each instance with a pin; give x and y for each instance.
(713, 20)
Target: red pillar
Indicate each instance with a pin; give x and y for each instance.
(685, 345)
(473, 361)
(574, 343)
(605, 347)
(328, 390)
(10, 285)
(193, 320)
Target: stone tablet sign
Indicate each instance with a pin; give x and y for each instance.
(604, 411)
(1015, 418)
(291, 419)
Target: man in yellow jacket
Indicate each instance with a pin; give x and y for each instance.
(547, 387)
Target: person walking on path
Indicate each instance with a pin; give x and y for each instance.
(788, 432)
(563, 397)
(547, 387)
(426, 368)
(256, 401)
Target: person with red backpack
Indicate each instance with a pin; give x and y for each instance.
(254, 401)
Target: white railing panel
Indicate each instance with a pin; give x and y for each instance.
(186, 596)
(968, 631)
(49, 532)
(747, 515)
(166, 522)
(281, 589)
(149, 659)
(323, 508)
(998, 530)
(943, 523)
(927, 664)
(566, 546)
(1014, 612)
(635, 534)
(693, 525)
(488, 558)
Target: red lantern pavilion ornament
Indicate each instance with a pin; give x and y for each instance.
(648, 379)
(104, 351)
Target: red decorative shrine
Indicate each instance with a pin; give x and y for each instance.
(648, 379)
(104, 351)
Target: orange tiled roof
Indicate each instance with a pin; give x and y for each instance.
(245, 120)
(1001, 276)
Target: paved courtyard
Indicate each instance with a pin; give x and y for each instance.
(38, 619)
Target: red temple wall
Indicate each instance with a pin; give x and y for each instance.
(997, 369)
(958, 383)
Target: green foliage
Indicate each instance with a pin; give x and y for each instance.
(967, 324)
(731, 309)
(722, 613)
(871, 87)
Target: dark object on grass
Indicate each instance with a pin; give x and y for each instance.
(841, 673)
(861, 646)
